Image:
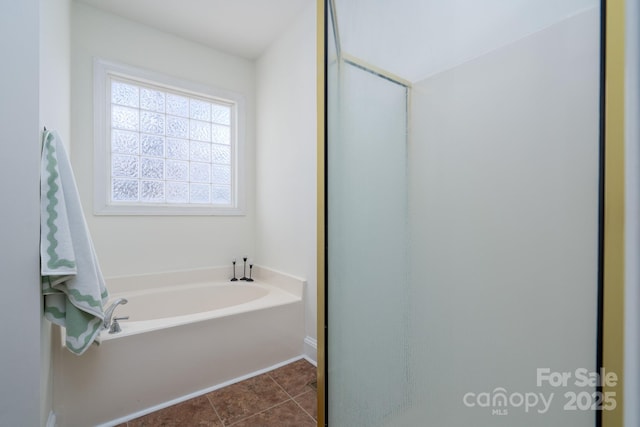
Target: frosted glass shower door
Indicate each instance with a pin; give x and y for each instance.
(367, 238)
(462, 213)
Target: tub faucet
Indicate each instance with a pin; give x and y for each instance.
(109, 312)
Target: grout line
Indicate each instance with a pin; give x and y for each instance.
(215, 409)
(278, 384)
(300, 406)
(281, 388)
(258, 413)
(292, 398)
(266, 409)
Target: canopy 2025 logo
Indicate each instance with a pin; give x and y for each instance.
(500, 401)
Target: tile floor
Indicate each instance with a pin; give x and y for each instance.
(284, 397)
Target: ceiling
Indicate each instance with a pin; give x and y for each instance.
(412, 39)
(241, 27)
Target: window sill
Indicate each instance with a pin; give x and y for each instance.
(167, 210)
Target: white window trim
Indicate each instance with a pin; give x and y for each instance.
(102, 153)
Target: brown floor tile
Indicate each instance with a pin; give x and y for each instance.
(287, 414)
(246, 398)
(194, 412)
(308, 401)
(295, 377)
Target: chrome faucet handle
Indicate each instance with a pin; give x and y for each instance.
(115, 326)
(109, 312)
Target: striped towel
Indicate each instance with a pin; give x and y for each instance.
(72, 283)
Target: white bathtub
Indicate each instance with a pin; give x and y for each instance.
(165, 307)
(187, 333)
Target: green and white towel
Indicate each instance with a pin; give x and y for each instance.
(72, 283)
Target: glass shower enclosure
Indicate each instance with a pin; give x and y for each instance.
(461, 211)
(367, 241)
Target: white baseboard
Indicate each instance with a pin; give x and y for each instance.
(51, 421)
(311, 350)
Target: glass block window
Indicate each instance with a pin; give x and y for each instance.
(168, 149)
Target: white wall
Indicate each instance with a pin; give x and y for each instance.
(55, 66)
(20, 364)
(55, 94)
(286, 157)
(632, 218)
(144, 244)
(503, 213)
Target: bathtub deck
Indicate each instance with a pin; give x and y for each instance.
(283, 397)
